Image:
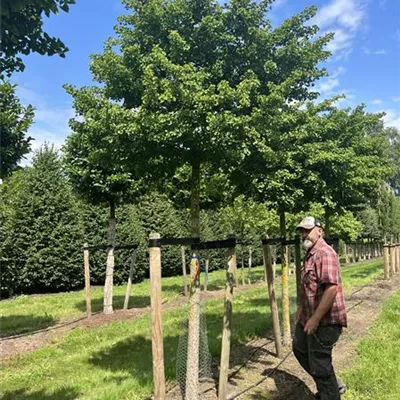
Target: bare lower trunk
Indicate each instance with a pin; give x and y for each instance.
(242, 254)
(285, 284)
(250, 264)
(192, 374)
(108, 286)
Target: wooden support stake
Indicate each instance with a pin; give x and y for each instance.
(226, 332)
(183, 254)
(129, 286)
(206, 274)
(392, 259)
(386, 261)
(298, 270)
(242, 257)
(156, 320)
(87, 280)
(272, 300)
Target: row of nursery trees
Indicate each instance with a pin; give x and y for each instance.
(44, 225)
(199, 106)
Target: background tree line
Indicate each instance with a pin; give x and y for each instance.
(204, 122)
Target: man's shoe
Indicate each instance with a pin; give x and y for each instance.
(341, 385)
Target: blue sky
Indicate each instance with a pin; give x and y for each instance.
(365, 64)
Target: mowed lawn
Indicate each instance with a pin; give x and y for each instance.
(114, 361)
(26, 314)
(375, 374)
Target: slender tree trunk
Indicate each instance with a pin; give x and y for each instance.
(192, 369)
(250, 264)
(242, 255)
(285, 283)
(130, 279)
(108, 286)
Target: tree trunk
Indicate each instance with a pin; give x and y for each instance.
(285, 283)
(192, 369)
(346, 253)
(108, 286)
(242, 254)
(250, 264)
(130, 279)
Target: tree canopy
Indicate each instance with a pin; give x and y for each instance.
(22, 31)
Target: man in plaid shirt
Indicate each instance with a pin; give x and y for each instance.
(321, 313)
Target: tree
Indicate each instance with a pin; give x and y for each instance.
(22, 31)
(346, 157)
(200, 76)
(249, 220)
(42, 243)
(95, 159)
(393, 135)
(370, 223)
(15, 121)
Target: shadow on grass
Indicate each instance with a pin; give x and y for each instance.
(135, 353)
(20, 324)
(22, 394)
(288, 387)
(118, 303)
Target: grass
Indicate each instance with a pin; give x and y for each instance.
(26, 314)
(114, 361)
(361, 274)
(375, 375)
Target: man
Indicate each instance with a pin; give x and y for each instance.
(321, 313)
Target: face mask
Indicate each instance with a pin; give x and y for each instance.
(307, 244)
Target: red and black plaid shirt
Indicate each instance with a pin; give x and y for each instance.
(321, 267)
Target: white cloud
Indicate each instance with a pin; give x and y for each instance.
(28, 96)
(55, 117)
(341, 43)
(344, 18)
(374, 52)
(346, 101)
(50, 123)
(396, 99)
(392, 118)
(41, 137)
(376, 101)
(278, 3)
(346, 13)
(326, 86)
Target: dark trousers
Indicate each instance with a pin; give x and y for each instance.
(314, 353)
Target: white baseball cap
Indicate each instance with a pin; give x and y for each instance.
(309, 223)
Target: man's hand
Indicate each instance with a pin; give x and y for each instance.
(311, 325)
